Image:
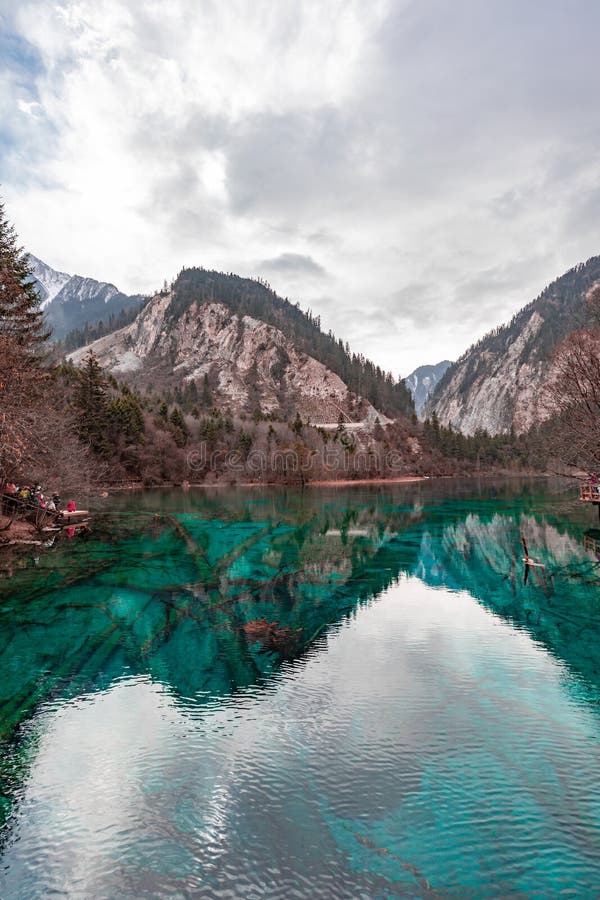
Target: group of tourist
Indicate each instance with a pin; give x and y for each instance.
(26, 498)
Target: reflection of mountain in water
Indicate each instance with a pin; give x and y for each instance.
(558, 602)
(213, 598)
(205, 605)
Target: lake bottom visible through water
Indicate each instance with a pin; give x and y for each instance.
(352, 693)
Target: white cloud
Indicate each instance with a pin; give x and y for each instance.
(393, 144)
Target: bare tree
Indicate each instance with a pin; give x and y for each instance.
(21, 391)
(573, 393)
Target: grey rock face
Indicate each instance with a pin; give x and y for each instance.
(499, 383)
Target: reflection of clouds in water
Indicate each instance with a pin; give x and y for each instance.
(83, 787)
(415, 693)
(555, 601)
(136, 791)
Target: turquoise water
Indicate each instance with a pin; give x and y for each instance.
(336, 693)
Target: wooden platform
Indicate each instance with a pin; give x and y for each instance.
(72, 518)
(589, 493)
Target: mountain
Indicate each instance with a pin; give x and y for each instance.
(234, 340)
(71, 301)
(49, 281)
(498, 384)
(422, 382)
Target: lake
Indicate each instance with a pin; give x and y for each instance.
(352, 692)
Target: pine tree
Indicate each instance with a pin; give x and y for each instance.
(126, 417)
(92, 401)
(180, 432)
(244, 444)
(23, 337)
(21, 317)
(297, 425)
(206, 394)
(177, 419)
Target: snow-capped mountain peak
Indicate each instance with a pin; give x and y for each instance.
(73, 301)
(49, 281)
(85, 290)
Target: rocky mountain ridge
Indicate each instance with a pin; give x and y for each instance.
(498, 385)
(242, 362)
(71, 301)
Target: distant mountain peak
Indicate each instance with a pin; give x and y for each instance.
(74, 301)
(422, 382)
(50, 282)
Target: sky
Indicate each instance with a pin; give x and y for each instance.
(413, 171)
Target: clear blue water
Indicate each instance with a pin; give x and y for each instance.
(345, 693)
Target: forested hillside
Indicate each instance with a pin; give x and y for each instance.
(245, 296)
(92, 331)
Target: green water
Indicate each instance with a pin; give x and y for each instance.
(336, 693)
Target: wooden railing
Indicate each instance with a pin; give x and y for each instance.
(591, 543)
(589, 493)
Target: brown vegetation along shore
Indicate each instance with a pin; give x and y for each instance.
(228, 483)
(348, 482)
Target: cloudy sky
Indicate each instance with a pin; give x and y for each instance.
(413, 170)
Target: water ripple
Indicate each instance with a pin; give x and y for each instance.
(423, 749)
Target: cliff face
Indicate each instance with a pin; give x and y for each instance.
(506, 392)
(498, 384)
(245, 363)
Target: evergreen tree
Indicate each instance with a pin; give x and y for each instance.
(244, 444)
(180, 432)
(296, 425)
(23, 337)
(177, 419)
(92, 401)
(126, 417)
(21, 317)
(190, 395)
(206, 393)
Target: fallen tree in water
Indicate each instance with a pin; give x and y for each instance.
(284, 641)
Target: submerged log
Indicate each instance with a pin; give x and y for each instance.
(279, 640)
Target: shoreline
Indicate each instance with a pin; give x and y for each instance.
(192, 485)
(347, 482)
(339, 482)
